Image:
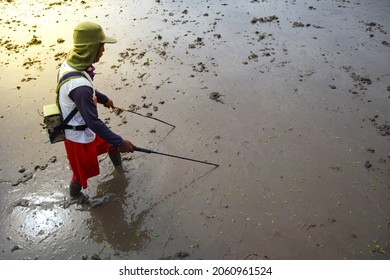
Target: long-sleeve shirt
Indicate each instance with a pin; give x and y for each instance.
(83, 98)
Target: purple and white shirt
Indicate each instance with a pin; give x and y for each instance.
(79, 92)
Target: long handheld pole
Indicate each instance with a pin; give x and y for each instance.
(143, 150)
(123, 109)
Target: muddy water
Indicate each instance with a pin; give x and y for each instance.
(290, 98)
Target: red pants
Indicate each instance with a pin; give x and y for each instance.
(83, 158)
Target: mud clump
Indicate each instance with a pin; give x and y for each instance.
(9, 46)
(299, 24)
(179, 255)
(383, 129)
(26, 177)
(16, 247)
(373, 26)
(363, 80)
(200, 68)
(34, 41)
(60, 56)
(253, 56)
(216, 96)
(197, 43)
(367, 164)
(265, 19)
(21, 169)
(31, 62)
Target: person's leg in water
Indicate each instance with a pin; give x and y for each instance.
(74, 187)
(83, 159)
(115, 157)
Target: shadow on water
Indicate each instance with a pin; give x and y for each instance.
(120, 221)
(109, 223)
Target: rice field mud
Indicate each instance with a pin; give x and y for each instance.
(290, 98)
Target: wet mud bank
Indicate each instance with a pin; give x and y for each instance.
(291, 99)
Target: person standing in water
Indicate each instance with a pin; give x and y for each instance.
(86, 135)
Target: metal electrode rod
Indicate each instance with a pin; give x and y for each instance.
(123, 109)
(137, 149)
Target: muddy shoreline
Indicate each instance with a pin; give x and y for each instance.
(290, 99)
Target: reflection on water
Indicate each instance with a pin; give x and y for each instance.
(108, 222)
(38, 216)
